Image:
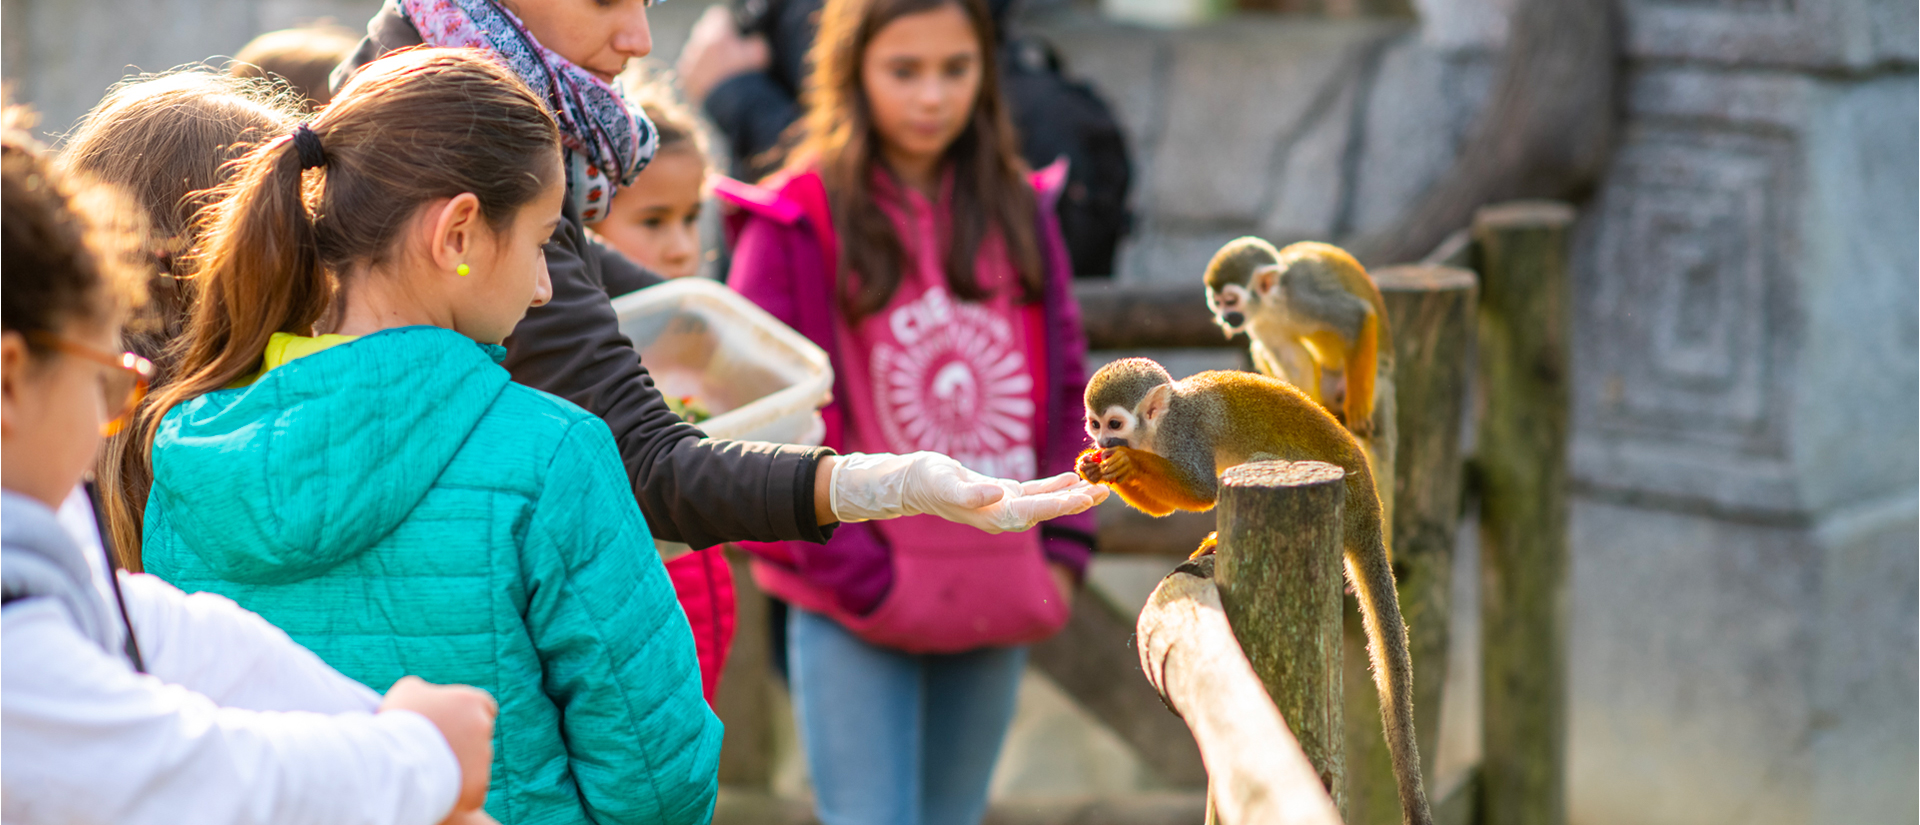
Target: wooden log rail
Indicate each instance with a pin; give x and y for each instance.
(1259, 774)
(1137, 316)
(1246, 647)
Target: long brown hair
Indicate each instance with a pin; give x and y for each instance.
(990, 191)
(168, 140)
(410, 128)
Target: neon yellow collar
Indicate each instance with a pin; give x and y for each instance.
(285, 347)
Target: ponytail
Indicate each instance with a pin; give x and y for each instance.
(414, 126)
(259, 271)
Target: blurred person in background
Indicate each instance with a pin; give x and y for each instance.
(908, 239)
(169, 141)
(745, 65)
(304, 57)
(655, 221)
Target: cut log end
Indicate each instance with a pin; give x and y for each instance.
(1282, 474)
(1423, 278)
(1526, 213)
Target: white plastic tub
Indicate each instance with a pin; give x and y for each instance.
(761, 380)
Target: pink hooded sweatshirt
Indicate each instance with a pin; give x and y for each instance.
(919, 584)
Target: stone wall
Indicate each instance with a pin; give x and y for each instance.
(1744, 526)
(1744, 431)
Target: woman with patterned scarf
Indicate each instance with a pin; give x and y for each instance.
(691, 489)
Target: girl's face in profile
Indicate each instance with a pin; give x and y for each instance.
(508, 271)
(655, 222)
(55, 404)
(921, 76)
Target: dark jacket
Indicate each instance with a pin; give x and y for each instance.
(692, 489)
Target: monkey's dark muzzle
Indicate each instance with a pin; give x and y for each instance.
(1110, 443)
(1234, 320)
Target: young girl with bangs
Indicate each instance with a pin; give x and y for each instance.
(342, 452)
(907, 238)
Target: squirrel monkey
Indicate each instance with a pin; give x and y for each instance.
(1310, 310)
(1161, 444)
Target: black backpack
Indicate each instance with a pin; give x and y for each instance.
(1061, 117)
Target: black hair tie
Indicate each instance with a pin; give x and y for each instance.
(312, 154)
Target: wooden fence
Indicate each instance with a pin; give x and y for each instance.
(1252, 650)
(1490, 350)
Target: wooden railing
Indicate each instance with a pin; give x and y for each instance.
(1492, 346)
(1252, 653)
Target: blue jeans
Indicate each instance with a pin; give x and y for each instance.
(897, 738)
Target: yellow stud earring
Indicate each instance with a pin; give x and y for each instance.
(463, 270)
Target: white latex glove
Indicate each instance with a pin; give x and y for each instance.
(866, 487)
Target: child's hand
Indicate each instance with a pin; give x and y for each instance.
(464, 716)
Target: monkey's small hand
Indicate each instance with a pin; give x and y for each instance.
(1116, 465)
(1088, 465)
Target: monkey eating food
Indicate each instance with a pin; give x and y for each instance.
(1315, 320)
(1161, 444)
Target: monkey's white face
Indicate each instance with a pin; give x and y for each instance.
(1115, 427)
(1229, 305)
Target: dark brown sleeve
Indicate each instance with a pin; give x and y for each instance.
(691, 488)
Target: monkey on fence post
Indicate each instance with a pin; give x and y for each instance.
(1314, 319)
(1161, 444)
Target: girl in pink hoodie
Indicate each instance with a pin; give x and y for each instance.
(907, 238)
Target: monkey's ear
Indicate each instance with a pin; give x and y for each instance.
(1155, 404)
(1265, 280)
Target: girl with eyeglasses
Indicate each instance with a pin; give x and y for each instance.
(123, 700)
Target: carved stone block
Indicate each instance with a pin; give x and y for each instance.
(1745, 336)
(1687, 327)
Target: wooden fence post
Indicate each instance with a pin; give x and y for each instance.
(1431, 312)
(1280, 574)
(1522, 462)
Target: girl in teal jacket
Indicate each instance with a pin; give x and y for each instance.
(383, 491)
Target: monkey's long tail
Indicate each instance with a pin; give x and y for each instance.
(1392, 670)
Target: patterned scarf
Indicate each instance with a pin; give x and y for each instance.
(609, 140)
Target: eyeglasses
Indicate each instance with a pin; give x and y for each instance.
(122, 387)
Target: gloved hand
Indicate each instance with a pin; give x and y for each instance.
(866, 487)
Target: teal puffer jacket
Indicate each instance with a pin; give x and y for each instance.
(400, 507)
